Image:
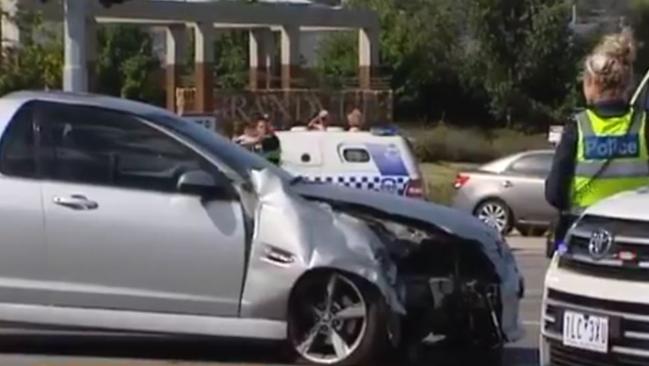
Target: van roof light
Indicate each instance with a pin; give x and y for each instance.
(385, 131)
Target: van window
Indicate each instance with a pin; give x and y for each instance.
(356, 155)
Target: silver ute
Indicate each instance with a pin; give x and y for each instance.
(120, 216)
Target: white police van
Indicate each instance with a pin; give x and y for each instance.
(379, 160)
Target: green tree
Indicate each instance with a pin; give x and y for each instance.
(37, 63)
(486, 60)
(126, 65)
(524, 58)
(231, 56)
(337, 59)
(418, 47)
(231, 59)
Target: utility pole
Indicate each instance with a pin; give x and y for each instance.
(75, 73)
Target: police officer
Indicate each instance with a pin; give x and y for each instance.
(603, 151)
(267, 143)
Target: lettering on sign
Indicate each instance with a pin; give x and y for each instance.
(299, 106)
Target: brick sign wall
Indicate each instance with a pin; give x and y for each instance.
(289, 108)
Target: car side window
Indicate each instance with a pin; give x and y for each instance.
(99, 146)
(17, 148)
(537, 165)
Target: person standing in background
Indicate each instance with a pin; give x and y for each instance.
(267, 143)
(247, 135)
(355, 120)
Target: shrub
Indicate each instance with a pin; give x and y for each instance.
(444, 143)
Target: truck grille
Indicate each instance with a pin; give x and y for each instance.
(630, 238)
(630, 228)
(561, 355)
(629, 331)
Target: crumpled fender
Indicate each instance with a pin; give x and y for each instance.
(307, 236)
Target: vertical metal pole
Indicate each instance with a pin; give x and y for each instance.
(75, 71)
(574, 14)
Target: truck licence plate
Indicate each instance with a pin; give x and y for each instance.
(588, 332)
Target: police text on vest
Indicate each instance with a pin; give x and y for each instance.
(611, 147)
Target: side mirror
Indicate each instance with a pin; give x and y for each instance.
(204, 183)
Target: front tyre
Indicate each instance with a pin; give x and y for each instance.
(336, 319)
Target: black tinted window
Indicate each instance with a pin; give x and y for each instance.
(536, 164)
(356, 155)
(96, 146)
(17, 149)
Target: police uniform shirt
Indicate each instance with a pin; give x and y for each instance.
(559, 181)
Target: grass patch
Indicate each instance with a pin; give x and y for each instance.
(439, 179)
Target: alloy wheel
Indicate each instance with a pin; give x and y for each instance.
(495, 215)
(331, 326)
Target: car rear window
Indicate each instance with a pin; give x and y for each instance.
(533, 164)
(356, 155)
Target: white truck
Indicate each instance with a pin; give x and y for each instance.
(596, 296)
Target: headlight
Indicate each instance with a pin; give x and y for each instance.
(404, 232)
(399, 239)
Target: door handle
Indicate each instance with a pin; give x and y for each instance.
(507, 184)
(76, 202)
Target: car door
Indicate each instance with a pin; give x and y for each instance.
(23, 271)
(119, 234)
(524, 183)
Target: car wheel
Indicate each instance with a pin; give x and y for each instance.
(336, 319)
(531, 231)
(496, 214)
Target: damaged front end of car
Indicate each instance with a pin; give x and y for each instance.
(452, 289)
(460, 277)
(440, 274)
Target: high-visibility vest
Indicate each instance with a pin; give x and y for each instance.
(611, 157)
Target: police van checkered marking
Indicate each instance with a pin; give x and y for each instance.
(395, 184)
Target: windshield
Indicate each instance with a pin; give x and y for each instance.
(234, 156)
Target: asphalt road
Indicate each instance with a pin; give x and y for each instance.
(26, 349)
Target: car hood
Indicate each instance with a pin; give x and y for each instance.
(450, 220)
(627, 205)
